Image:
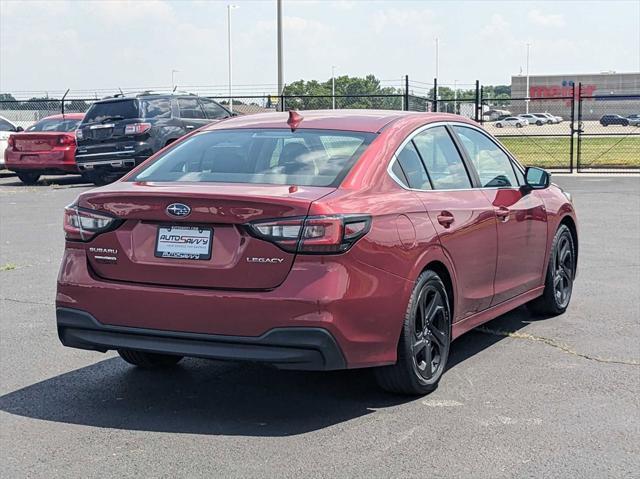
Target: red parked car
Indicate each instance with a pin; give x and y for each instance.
(318, 240)
(47, 147)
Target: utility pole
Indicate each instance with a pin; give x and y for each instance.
(333, 86)
(229, 8)
(455, 96)
(280, 68)
(526, 102)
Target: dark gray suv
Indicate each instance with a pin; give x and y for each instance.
(120, 132)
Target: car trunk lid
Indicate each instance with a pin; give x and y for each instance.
(217, 212)
(35, 142)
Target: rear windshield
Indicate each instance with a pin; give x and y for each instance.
(55, 124)
(112, 110)
(279, 157)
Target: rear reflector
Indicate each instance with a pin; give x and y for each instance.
(82, 225)
(313, 234)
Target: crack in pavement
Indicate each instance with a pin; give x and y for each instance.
(556, 344)
(22, 301)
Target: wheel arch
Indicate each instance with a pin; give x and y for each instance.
(442, 271)
(570, 223)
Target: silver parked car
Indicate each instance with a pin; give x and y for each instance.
(634, 120)
(535, 118)
(516, 121)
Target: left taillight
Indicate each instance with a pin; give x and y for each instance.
(11, 141)
(313, 234)
(137, 128)
(81, 224)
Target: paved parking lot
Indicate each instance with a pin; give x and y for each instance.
(523, 398)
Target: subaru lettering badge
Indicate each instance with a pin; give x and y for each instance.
(178, 209)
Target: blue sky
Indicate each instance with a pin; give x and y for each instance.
(77, 44)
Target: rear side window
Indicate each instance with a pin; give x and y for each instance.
(413, 169)
(54, 124)
(213, 110)
(260, 156)
(112, 110)
(442, 160)
(492, 164)
(190, 108)
(156, 108)
(6, 126)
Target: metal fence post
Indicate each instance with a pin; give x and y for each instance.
(62, 101)
(579, 130)
(477, 100)
(572, 125)
(406, 92)
(435, 95)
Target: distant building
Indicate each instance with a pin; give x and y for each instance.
(552, 93)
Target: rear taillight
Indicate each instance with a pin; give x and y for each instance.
(79, 134)
(82, 224)
(137, 128)
(313, 234)
(11, 141)
(66, 140)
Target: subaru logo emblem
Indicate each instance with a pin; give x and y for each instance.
(178, 209)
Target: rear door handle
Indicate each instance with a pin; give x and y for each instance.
(503, 213)
(445, 219)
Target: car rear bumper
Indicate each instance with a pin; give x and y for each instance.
(360, 306)
(286, 348)
(116, 158)
(61, 161)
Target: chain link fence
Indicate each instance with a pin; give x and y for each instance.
(580, 132)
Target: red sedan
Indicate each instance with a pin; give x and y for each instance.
(46, 147)
(318, 240)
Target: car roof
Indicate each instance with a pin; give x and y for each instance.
(60, 116)
(371, 121)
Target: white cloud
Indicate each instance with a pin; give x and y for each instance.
(497, 27)
(393, 18)
(546, 20)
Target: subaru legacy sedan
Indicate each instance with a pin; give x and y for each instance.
(315, 240)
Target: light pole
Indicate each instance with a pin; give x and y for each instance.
(229, 8)
(173, 83)
(333, 86)
(526, 102)
(280, 69)
(437, 67)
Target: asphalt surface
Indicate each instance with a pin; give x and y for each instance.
(552, 398)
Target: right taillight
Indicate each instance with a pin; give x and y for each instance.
(11, 141)
(313, 234)
(82, 224)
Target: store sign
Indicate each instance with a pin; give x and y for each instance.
(564, 90)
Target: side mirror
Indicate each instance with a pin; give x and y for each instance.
(19, 129)
(536, 178)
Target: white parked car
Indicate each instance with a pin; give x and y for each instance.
(553, 119)
(516, 121)
(6, 128)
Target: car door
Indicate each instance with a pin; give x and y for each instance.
(521, 215)
(191, 113)
(462, 216)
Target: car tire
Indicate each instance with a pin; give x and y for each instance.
(101, 179)
(558, 284)
(518, 125)
(425, 339)
(498, 125)
(148, 360)
(539, 123)
(29, 178)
